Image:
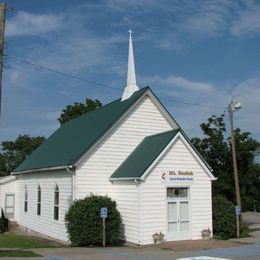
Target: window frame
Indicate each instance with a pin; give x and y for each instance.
(56, 204)
(39, 200)
(25, 204)
(178, 188)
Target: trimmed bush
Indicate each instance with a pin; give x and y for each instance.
(84, 224)
(224, 218)
(3, 223)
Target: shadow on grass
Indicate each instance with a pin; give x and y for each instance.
(10, 240)
(18, 253)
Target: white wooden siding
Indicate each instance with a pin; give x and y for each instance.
(44, 223)
(9, 187)
(92, 176)
(154, 211)
(127, 196)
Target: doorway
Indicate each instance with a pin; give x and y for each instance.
(178, 213)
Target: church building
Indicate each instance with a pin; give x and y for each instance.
(131, 150)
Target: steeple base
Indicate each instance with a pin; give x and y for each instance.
(129, 90)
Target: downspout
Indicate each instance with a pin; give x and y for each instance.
(138, 183)
(73, 182)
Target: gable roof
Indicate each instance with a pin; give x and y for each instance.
(139, 163)
(67, 144)
(70, 143)
(143, 156)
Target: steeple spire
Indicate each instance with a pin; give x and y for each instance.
(131, 86)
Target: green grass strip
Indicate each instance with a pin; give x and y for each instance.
(25, 242)
(18, 253)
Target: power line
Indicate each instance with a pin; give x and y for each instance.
(41, 67)
(192, 104)
(37, 66)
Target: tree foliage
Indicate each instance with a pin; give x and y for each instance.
(14, 152)
(84, 224)
(224, 221)
(77, 109)
(215, 147)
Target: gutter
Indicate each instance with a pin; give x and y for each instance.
(72, 182)
(7, 179)
(135, 179)
(42, 169)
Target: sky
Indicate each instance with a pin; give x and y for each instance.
(196, 55)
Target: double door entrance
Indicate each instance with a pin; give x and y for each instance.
(178, 214)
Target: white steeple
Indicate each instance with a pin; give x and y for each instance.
(131, 86)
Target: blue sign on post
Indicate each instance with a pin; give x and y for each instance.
(103, 212)
(238, 211)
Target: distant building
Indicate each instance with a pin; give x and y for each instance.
(257, 156)
(131, 150)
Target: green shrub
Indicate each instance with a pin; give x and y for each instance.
(3, 223)
(224, 218)
(84, 224)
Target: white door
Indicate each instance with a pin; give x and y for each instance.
(178, 216)
(9, 205)
(184, 220)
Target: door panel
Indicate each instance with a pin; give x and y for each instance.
(172, 218)
(178, 222)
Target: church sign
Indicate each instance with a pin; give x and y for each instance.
(179, 176)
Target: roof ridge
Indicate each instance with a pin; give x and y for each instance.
(105, 106)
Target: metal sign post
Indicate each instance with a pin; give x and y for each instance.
(238, 212)
(103, 215)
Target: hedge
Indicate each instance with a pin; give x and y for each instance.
(224, 218)
(84, 224)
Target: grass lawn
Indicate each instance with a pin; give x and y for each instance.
(16, 253)
(9, 240)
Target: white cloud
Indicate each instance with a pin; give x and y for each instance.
(248, 21)
(28, 24)
(248, 92)
(179, 83)
(209, 18)
(191, 103)
(140, 6)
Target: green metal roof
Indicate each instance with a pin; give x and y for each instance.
(144, 154)
(65, 146)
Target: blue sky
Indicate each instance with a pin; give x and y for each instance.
(195, 55)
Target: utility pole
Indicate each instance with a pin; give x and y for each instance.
(2, 29)
(232, 107)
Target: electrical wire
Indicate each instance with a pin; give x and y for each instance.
(41, 67)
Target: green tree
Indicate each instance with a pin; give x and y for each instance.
(215, 147)
(14, 152)
(77, 109)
